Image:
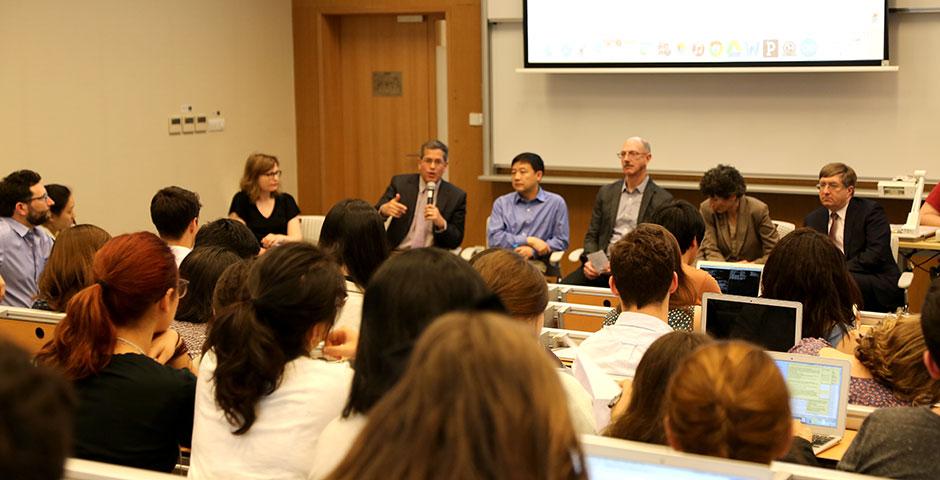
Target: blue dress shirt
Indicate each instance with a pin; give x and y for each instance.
(23, 255)
(514, 219)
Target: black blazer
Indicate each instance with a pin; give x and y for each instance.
(604, 216)
(867, 244)
(451, 201)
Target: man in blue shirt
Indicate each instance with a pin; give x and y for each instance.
(24, 205)
(531, 221)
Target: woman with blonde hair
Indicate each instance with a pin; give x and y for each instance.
(476, 402)
(887, 366)
(272, 215)
(729, 399)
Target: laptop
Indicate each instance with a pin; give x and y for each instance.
(775, 325)
(734, 278)
(819, 394)
(615, 459)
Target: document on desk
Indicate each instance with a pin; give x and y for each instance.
(601, 386)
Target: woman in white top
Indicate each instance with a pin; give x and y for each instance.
(405, 295)
(262, 401)
(353, 231)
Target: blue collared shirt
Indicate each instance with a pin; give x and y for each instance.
(23, 254)
(514, 219)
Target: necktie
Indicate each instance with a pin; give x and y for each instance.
(421, 230)
(833, 227)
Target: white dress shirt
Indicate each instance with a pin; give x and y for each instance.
(618, 348)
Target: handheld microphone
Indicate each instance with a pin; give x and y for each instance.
(431, 186)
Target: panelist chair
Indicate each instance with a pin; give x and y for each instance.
(783, 228)
(310, 226)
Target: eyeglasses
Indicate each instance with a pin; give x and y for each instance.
(832, 186)
(182, 286)
(631, 154)
(272, 174)
(44, 197)
(433, 161)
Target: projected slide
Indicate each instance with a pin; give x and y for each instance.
(628, 32)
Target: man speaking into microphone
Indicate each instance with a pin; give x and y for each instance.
(425, 209)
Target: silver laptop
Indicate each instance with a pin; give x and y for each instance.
(614, 459)
(735, 278)
(775, 325)
(819, 394)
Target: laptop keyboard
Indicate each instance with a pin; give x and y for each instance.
(820, 440)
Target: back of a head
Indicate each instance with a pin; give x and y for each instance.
(202, 268)
(355, 232)
(930, 320)
(405, 294)
(894, 354)
(69, 266)
(643, 263)
(15, 189)
(643, 419)
(729, 399)
(683, 220)
(230, 234)
(805, 266)
(518, 284)
(231, 286)
(60, 196)
(36, 408)
(292, 288)
(479, 399)
(131, 273)
(172, 209)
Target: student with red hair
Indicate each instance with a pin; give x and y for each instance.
(131, 409)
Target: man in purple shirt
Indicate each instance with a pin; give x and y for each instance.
(24, 205)
(531, 221)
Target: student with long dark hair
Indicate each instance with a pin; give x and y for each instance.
(406, 293)
(202, 268)
(478, 400)
(62, 211)
(355, 233)
(262, 400)
(132, 410)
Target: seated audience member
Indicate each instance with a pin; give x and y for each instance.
(202, 268)
(902, 442)
(175, 213)
(643, 267)
(230, 234)
(729, 400)
(273, 216)
(530, 221)
(69, 267)
(887, 368)
(522, 289)
(231, 286)
(423, 216)
(354, 233)
(262, 401)
(62, 211)
(642, 421)
(476, 401)
(406, 293)
(737, 227)
(859, 228)
(806, 267)
(36, 407)
(131, 410)
(24, 205)
(618, 208)
(930, 210)
(685, 223)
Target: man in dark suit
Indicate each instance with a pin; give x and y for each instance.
(439, 222)
(618, 209)
(860, 228)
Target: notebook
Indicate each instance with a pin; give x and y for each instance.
(775, 325)
(819, 394)
(734, 278)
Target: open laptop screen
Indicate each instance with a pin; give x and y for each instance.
(815, 391)
(735, 278)
(773, 324)
(602, 468)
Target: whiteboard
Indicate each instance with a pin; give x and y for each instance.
(772, 125)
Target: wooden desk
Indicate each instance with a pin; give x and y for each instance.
(931, 244)
(835, 453)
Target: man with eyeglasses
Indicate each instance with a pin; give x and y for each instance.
(24, 205)
(424, 215)
(859, 228)
(618, 209)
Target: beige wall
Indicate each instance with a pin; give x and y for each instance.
(86, 88)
